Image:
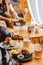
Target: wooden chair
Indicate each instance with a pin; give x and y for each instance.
(41, 40)
(32, 40)
(35, 40)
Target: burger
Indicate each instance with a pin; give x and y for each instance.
(25, 52)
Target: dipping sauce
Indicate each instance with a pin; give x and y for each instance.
(20, 56)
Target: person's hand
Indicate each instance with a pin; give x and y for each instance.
(21, 19)
(10, 23)
(8, 39)
(2, 25)
(15, 20)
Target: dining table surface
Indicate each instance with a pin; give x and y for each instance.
(34, 61)
(31, 35)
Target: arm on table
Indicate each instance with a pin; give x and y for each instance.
(7, 20)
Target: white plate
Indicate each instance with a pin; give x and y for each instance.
(9, 47)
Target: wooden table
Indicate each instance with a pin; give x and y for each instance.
(31, 35)
(35, 36)
(34, 62)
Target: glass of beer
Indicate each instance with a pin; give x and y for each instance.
(36, 30)
(26, 42)
(37, 51)
(16, 30)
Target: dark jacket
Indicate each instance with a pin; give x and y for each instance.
(4, 33)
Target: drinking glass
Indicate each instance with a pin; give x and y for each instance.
(26, 42)
(37, 51)
(16, 32)
(36, 29)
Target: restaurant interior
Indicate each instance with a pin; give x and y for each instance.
(21, 32)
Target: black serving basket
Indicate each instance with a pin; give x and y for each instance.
(25, 59)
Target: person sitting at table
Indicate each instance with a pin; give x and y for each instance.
(8, 8)
(4, 33)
